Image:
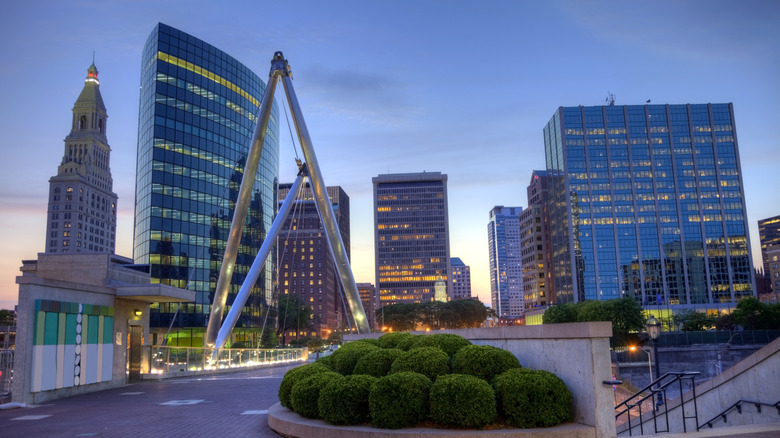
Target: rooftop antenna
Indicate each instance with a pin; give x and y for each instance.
(610, 100)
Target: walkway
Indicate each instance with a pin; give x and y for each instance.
(233, 405)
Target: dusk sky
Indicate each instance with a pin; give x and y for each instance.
(460, 87)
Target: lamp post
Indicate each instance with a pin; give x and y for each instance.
(649, 363)
(654, 331)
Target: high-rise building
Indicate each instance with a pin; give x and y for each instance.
(646, 201)
(197, 116)
(460, 283)
(306, 266)
(411, 235)
(769, 235)
(82, 204)
(370, 300)
(538, 290)
(505, 256)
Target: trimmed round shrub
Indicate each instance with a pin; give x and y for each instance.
(371, 341)
(345, 400)
(324, 360)
(399, 400)
(391, 340)
(462, 401)
(343, 360)
(377, 363)
(448, 342)
(305, 394)
(532, 398)
(406, 342)
(483, 361)
(294, 376)
(429, 361)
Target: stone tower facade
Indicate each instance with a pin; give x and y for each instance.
(82, 205)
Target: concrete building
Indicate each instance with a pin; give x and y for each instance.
(83, 320)
(538, 288)
(197, 116)
(460, 276)
(306, 266)
(646, 201)
(505, 256)
(370, 300)
(82, 205)
(411, 235)
(769, 235)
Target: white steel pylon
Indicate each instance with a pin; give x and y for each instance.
(279, 69)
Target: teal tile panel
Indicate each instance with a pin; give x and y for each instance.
(51, 328)
(92, 335)
(108, 329)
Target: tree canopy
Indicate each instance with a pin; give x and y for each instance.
(625, 314)
(434, 315)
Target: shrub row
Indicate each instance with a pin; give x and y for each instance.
(400, 380)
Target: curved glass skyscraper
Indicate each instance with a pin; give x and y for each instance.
(197, 114)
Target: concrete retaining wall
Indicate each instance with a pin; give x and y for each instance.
(578, 353)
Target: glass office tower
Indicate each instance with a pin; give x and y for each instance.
(197, 115)
(506, 263)
(411, 236)
(646, 201)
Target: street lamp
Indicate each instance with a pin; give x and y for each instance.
(654, 331)
(649, 364)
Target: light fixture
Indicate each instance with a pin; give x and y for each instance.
(653, 328)
(138, 312)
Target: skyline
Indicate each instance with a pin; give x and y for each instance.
(462, 88)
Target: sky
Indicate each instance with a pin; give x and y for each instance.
(459, 87)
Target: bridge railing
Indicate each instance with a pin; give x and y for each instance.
(169, 360)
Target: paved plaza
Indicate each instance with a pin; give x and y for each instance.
(230, 405)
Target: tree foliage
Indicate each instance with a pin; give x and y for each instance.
(752, 314)
(625, 314)
(691, 321)
(435, 315)
(293, 314)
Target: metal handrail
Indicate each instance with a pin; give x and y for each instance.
(657, 391)
(738, 406)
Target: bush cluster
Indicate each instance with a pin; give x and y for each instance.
(532, 398)
(344, 359)
(377, 363)
(400, 380)
(447, 342)
(399, 400)
(429, 361)
(345, 400)
(462, 401)
(483, 361)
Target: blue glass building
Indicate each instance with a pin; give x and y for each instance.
(646, 201)
(506, 263)
(197, 114)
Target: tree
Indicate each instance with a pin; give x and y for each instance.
(692, 321)
(293, 315)
(6, 317)
(269, 339)
(560, 313)
(752, 314)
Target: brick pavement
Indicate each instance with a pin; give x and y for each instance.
(229, 405)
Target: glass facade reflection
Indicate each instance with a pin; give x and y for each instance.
(506, 262)
(411, 235)
(647, 201)
(197, 116)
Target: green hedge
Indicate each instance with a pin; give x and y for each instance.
(391, 340)
(448, 342)
(344, 359)
(429, 361)
(532, 398)
(345, 400)
(305, 394)
(399, 400)
(462, 401)
(294, 376)
(377, 363)
(483, 361)
(406, 342)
